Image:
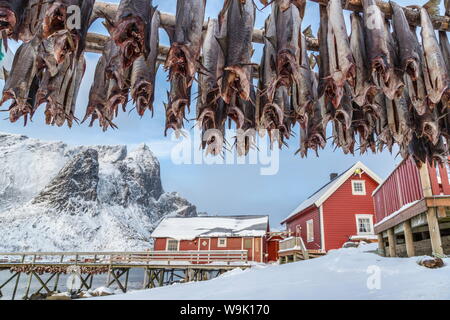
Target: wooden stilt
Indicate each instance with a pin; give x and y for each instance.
(392, 243)
(381, 246)
(126, 279)
(435, 233)
(410, 250)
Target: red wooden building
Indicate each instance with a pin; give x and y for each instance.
(412, 210)
(215, 233)
(339, 212)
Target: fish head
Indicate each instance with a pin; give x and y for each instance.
(8, 20)
(55, 19)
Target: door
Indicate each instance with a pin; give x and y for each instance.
(248, 245)
(204, 244)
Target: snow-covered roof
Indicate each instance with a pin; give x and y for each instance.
(321, 195)
(190, 228)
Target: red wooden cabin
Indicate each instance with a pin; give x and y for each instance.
(412, 210)
(214, 234)
(339, 212)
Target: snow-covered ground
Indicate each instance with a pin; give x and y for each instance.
(353, 273)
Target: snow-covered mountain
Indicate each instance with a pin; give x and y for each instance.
(54, 197)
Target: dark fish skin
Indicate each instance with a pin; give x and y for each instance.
(143, 73)
(342, 63)
(238, 20)
(399, 119)
(284, 5)
(364, 90)
(132, 29)
(376, 42)
(98, 95)
(285, 35)
(11, 16)
(445, 48)
(408, 48)
(32, 22)
(323, 61)
(344, 113)
(18, 86)
(183, 58)
(209, 91)
(315, 138)
(55, 24)
(436, 76)
(246, 135)
(428, 126)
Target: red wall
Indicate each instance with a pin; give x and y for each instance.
(340, 209)
(211, 244)
(300, 220)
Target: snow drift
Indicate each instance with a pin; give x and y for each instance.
(54, 197)
(352, 273)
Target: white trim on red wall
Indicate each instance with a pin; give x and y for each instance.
(322, 229)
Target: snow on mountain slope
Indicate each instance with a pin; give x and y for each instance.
(61, 198)
(342, 274)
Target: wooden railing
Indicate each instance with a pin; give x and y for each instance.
(290, 243)
(126, 258)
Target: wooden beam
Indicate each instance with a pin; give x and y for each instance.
(435, 233)
(410, 250)
(168, 20)
(412, 15)
(439, 201)
(442, 212)
(381, 246)
(392, 243)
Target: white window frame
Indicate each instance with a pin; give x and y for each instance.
(359, 193)
(364, 216)
(224, 245)
(167, 245)
(310, 230)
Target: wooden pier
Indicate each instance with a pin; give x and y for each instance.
(160, 268)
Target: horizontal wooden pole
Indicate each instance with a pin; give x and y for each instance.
(413, 15)
(168, 20)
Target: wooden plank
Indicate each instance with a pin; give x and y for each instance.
(435, 233)
(425, 180)
(392, 243)
(438, 201)
(410, 250)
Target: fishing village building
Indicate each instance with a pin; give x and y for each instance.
(215, 234)
(339, 212)
(412, 211)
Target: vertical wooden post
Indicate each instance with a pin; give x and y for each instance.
(425, 180)
(435, 233)
(410, 250)
(392, 243)
(381, 246)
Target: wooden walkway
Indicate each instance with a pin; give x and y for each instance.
(160, 268)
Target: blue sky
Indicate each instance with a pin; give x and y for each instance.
(216, 189)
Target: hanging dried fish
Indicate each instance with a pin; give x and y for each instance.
(246, 135)
(399, 119)
(211, 111)
(436, 79)
(303, 95)
(237, 21)
(183, 58)
(19, 85)
(364, 91)
(314, 137)
(428, 126)
(34, 14)
(342, 63)
(11, 15)
(323, 59)
(132, 29)
(445, 49)
(286, 4)
(98, 95)
(61, 22)
(143, 73)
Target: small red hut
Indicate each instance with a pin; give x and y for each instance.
(340, 211)
(214, 233)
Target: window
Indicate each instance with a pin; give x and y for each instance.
(172, 245)
(364, 224)
(359, 187)
(222, 243)
(310, 230)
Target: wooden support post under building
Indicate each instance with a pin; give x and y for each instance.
(435, 233)
(410, 250)
(392, 243)
(381, 246)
